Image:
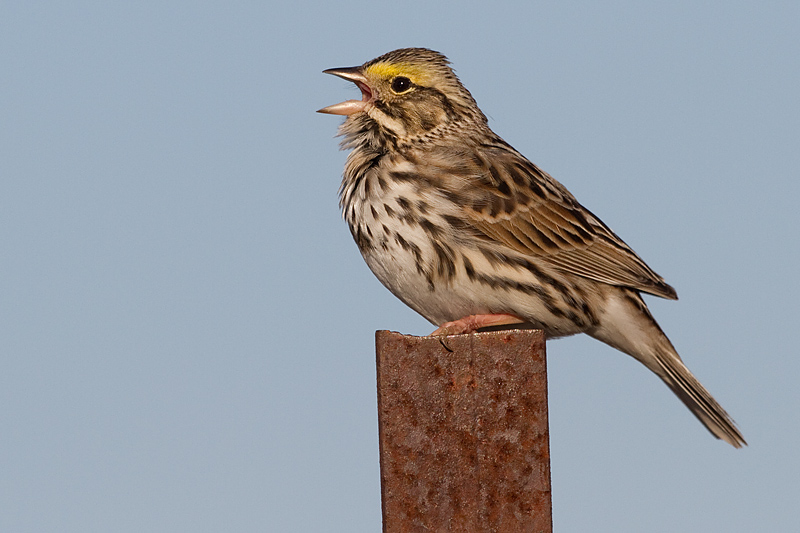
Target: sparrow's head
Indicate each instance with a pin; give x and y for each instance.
(408, 93)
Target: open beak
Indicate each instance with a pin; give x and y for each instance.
(350, 106)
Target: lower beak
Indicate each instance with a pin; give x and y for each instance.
(349, 107)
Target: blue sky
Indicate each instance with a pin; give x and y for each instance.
(186, 327)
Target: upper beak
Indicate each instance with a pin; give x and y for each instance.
(350, 106)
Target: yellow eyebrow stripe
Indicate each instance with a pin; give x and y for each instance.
(389, 70)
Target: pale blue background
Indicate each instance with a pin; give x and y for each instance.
(186, 328)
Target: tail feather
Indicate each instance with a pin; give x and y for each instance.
(628, 326)
(698, 399)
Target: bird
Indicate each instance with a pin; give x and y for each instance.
(470, 234)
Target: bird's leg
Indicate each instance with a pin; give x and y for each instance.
(472, 323)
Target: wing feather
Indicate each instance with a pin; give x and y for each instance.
(521, 207)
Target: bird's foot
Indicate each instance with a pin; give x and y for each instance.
(472, 323)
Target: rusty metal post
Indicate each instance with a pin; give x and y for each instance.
(464, 441)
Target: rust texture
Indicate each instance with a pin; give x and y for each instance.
(464, 441)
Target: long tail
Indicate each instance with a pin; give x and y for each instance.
(628, 326)
(699, 401)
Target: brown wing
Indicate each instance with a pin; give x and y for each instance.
(524, 208)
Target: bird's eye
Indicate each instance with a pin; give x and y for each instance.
(401, 84)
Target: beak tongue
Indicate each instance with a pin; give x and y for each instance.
(350, 106)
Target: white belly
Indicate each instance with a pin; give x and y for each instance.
(408, 260)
